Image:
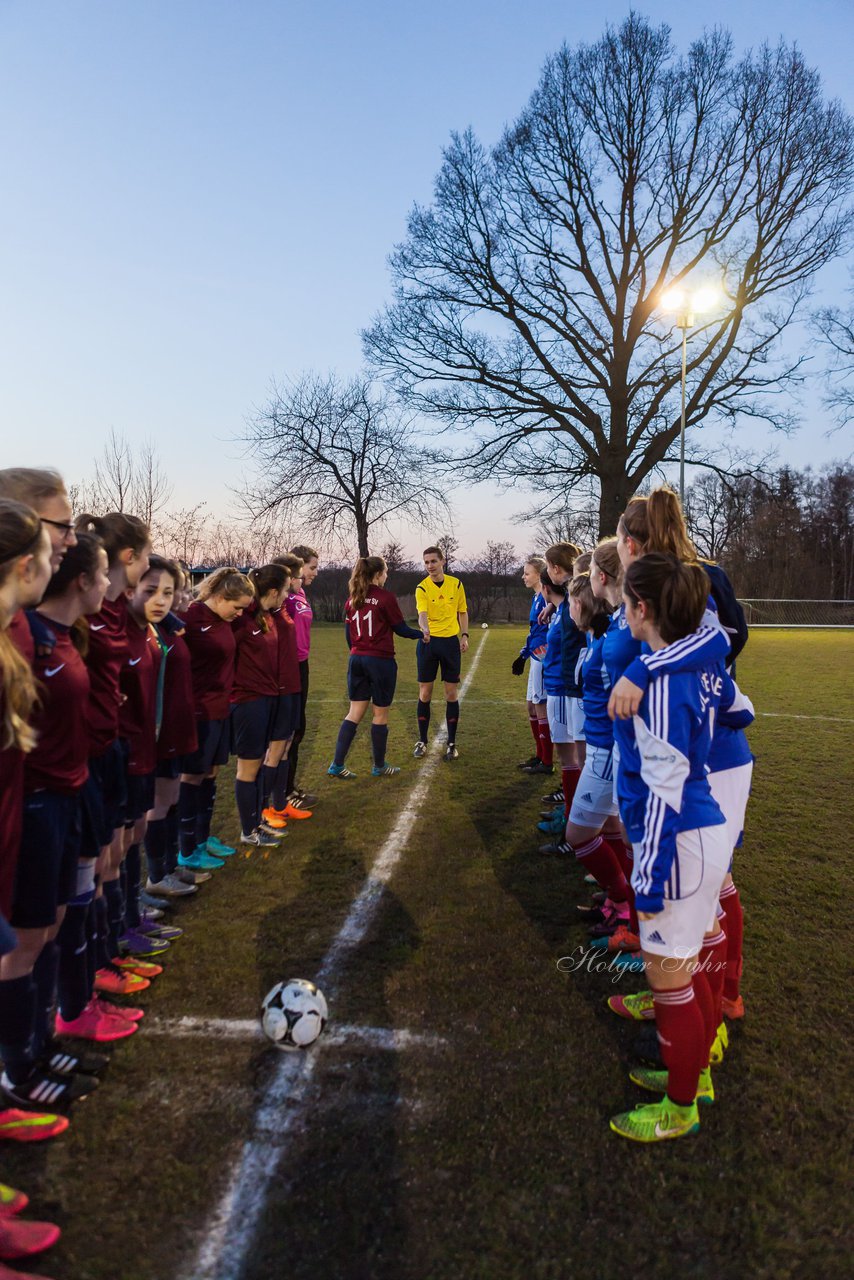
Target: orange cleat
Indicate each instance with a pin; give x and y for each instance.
(142, 968)
(294, 809)
(733, 1008)
(30, 1126)
(275, 818)
(119, 984)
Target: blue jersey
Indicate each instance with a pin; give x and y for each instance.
(572, 641)
(730, 748)
(662, 783)
(598, 729)
(537, 631)
(620, 646)
(552, 663)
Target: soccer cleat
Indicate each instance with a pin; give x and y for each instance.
(217, 847)
(168, 932)
(275, 835)
(553, 826)
(720, 1044)
(305, 796)
(259, 839)
(451, 752)
(190, 877)
(639, 1007)
(614, 917)
(274, 819)
(628, 962)
(539, 769)
(95, 1024)
(340, 771)
(30, 1126)
(22, 1239)
(596, 913)
(12, 1201)
(119, 984)
(420, 749)
(557, 849)
(647, 1048)
(199, 860)
(733, 1009)
(656, 1121)
(296, 807)
(64, 1061)
(171, 886)
(588, 879)
(139, 944)
(384, 770)
(554, 811)
(529, 763)
(44, 1089)
(142, 968)
(655, 1080)
(554, 797)
(121, 1013)
(622, 939)
(156, 907)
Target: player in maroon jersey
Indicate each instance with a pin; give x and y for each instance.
(254, 700)
(43, 489)
(220, 599)
(278, 805)
(372, 619)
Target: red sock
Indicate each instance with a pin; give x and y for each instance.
(682, 1035)
(626, 858)
(733, 924)
(703, 994)
(546, 743)
(535, 730)
(712, 958)
(570, 782)
(598, 858)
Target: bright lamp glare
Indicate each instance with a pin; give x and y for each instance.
(706, 298)
(674, 300)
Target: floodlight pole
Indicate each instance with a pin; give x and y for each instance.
(683, 322)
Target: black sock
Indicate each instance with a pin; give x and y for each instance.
(17, 1019)
(346, 734)
(379, 741)
(204, 817)
(101, 935)
(113, 897)
(156, 841)
(452, 715)
(280, 792)
(268, 781)
(293, 761)
(133, 869)
(423, 719)
(172, 839)
(74, 984)
(44, 976)
(246, 795)
(188, 811)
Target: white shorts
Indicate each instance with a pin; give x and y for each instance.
(731, 789)
(578, 719)
(536, 692)
(616, 760)
(703, 857)
(593, 801)
(560, 716)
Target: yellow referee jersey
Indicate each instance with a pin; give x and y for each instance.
(442, 602)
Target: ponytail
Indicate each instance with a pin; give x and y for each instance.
(656, 523)
(676, 592)
(20, 532)
(365, 568)
(270, 577)
(118, 532)
(606, 559)
(79, 559)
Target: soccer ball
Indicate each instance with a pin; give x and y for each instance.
(293, 1014)
(484, 626)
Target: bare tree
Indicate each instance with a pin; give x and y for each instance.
(715, 510)
(449, 547)
(395, 557)
(181, 534)
(115, 475)
(835, 326)
(338, 458)
(150, 488)
(527, 296)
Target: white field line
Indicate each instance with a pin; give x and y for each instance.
(390, 1038)
(515, 702)
(231, 1228)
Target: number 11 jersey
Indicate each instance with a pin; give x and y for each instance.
(371, 625)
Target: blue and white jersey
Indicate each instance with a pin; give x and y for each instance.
(537, 631)
(598, 729)
(552, 662)
(572, 641)
(620, 647)
(662, 782)
(730, 747)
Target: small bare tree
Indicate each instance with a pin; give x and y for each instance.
(449, 547)
(338, 458)
(150, 488)
(835, 326)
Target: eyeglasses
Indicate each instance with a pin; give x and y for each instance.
(67, 529)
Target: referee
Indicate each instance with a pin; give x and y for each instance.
(444, 622)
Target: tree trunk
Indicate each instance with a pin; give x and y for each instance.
(361, 532)
(613, 498)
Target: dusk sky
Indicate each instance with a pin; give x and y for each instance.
(199, 197)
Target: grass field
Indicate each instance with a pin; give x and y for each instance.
(479, 1147)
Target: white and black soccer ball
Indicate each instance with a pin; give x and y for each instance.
(293, 1014)
(484, 626)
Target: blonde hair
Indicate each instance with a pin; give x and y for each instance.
(228, 583)
(536, 562)
(564, 555)
(591, 606)
(20, 532)
(606, 559)
(582, 562)
(31, 485)
(365, 568)
(656, 523)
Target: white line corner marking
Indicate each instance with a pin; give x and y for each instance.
(231, 1229)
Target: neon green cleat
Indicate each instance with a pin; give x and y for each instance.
(656, 1081)
(719, 1045)
(640, 1007)
(656, 1121)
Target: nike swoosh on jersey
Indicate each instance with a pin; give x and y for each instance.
(256, 633)
(99, 626)
(51, 671)
(133, 661)
(206, 628)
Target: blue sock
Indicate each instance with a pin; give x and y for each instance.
(246, 795)
(17, 1020)
(156, 841)
(346, 734)
(379, 741)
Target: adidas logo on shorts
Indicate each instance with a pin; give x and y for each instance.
(587, 797)
(655, 936)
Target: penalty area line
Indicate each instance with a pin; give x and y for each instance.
(232, 1226)
(390, 1038)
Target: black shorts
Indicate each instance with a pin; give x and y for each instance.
(213, 749)
(107, 800)
(46, 875)
(442, 651)
(140, 797)
(371, 679)
(251, 725)
(8, 940)
(286, 716)
(170, 768)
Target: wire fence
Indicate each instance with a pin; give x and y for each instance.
(825, 614)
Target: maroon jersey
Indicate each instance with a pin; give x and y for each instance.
(177, 735)
(12, 781)
(59, 760)
(108, 652)
(289, 677)
(212, 655)
(256, 673)
(137, 717)
(371, 634)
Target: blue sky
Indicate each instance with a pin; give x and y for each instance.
(201, 196)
